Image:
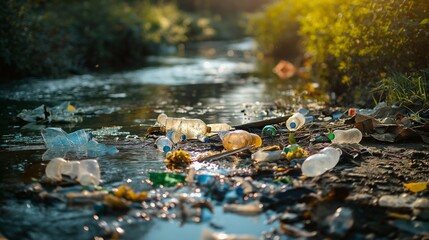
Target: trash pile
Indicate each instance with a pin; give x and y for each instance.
(265, 167)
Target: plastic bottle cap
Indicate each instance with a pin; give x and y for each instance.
(331, 136)
(292, 125)
(166, 148)
(183, 137)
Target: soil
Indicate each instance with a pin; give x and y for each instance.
(366, 173)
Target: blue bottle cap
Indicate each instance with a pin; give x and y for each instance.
(292, 125)
(166, 148)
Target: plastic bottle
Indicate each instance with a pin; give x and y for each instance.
(54, 169)
(89, 172)
(190, 127)
(221, 134)
(295, 122)
(176, 136)
(239, 139)
(262, 156)
(321, 162)
(269, 131)
(164, 144)
(86, 171)
(71, 168)
(352, 135)
(217, 127)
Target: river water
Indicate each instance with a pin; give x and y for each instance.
(214, 81)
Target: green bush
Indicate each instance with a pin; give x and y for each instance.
(351, 43)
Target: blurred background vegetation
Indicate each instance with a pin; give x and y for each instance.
(350, 46)
(51, 38)
(346, 46)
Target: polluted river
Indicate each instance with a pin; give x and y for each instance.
(215, 82)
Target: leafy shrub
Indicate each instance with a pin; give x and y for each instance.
(351, 43)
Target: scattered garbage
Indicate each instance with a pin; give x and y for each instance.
(352, 135)
(248, 176)
(63, 113)
(86, 172)
(321, 162)
(59, 142)
(240, 138)
(192, 128)
(163, 144)
(295, 122)
(269, 131)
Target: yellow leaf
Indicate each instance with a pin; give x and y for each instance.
(416, 186)
(424, 21)
(70, 108)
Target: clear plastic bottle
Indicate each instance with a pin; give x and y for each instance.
(89, 172)
(239, 139)
(54, 169)
(295, 122)
(192, 128)
(266, 156)
(321, 162)
(217, 127)
(164, 144)
(56, 138)
(71, 169)
(269, 131)
(176, 136)
(352, 135)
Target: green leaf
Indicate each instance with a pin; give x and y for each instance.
(424, 21)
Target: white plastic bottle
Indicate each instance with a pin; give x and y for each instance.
(89, 172)
(352, 135)
(295, 122)
(163, 144)
(321, 162)
(192, 128)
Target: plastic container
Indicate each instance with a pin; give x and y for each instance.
(176, 136)
(321, 162)
(239, 139)
(192, 128)
(217, 127)
(58, 138)
(263, 156)
(89, 172)
(295, 122)
(352, 135)
(163, 144)
(54, 169)
(269, 131)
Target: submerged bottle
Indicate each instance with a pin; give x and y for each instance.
(295, 122)
(166, 179)
(269, 131)
(163, 144)
(239, 139)
(176, 136)
(352, 135)
(192, 128)
(321, 162)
